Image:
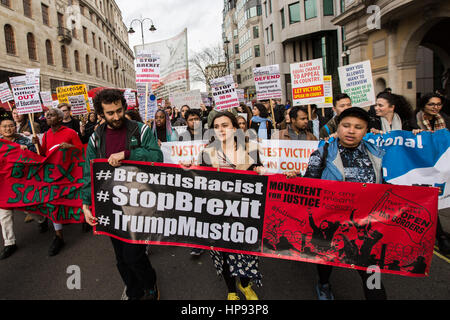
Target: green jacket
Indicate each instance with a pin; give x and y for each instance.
(148, 150)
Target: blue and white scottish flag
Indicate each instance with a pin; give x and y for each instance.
(422, 159)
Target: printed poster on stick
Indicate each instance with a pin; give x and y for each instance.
(27, 99)
(345, 224)
(224, 93)
(5, 93)
(76, 90)
(147, 68)
(267, 82)
(356, 81)
(307, 82)
(78, 105)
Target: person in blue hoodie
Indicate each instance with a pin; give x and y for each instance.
(352, 159)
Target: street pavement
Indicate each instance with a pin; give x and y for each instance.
(30, 274)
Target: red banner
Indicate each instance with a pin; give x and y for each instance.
(48, 186)
(351, 224)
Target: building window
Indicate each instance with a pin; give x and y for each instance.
(271, 33)
(27, 8)
(257, 51)
(283, 20)
(88, 65)
(31, 47)
(10, 40)
(64, 58)
(49, 52)
(267, 35)
(85, 35)
(6, 3)
(77, 61)
(236, 48)
(255, 32)
(310, 9)
(96, 67)
(328, 8)
(294, 12)
(270, 6)
(93, 40)
(45, 15)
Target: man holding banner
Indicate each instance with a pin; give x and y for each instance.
(349, 158)
(116, 140)
(64, 138)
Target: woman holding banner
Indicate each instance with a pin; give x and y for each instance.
(430, 118)
(231, 150)
(392, 112)
(352, 159)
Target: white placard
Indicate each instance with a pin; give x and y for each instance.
(78, 105)
(224, 93)
(147, 67)
(356, 81)
(267, 82)
(191, 98)
(27, 99)
(47, 100)
(307, 82)
(5, 92)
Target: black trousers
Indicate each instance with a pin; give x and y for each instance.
(134, 267)
(324, 272)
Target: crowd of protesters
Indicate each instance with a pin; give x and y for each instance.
(106, 130)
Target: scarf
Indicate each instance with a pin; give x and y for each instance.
(262, 131)
(396, 124)
(424, 122)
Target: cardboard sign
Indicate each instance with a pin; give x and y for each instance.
(78, 105)
(356, 81)
(307, 82)
(27, 99)
(147, 67)
(224, 93)
(77, 90)
(5, 92)
(191, 98)
(268, 82)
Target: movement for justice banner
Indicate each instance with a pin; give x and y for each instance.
(351, 225)
(48, 186)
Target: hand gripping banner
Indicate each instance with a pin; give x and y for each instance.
(344, 224)
(48, 186)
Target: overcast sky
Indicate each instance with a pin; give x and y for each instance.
(202, 18)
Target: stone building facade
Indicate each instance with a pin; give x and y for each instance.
(70, 41)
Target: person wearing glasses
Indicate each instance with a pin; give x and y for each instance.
(430, 118)
(428, 113)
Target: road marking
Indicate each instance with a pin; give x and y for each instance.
(442, 256)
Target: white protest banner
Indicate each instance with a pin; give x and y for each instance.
(307, 82)
(5, 93)
(78, 105)
(224, 93)
(130, 97)
(356, 81)
(27, 99)
(147, 67)
(267, 82)
(279, 156)
(183, 151)
(191, 98)
(47, 100)
(174, 66)
(328, 89)
(147, 109)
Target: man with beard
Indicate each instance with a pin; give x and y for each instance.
(65, 138)
(121, 139)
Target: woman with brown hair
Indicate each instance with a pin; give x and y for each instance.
(231, 150)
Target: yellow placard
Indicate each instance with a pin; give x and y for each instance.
(76, 90)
